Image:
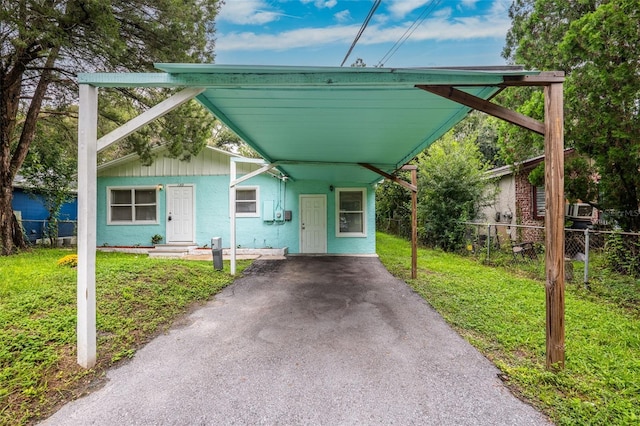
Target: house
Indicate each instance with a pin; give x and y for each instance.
(187, 203)
(518, 202)
(31, 211)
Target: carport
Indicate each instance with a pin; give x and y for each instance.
(328, 124)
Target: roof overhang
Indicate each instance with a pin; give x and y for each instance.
(322, 123)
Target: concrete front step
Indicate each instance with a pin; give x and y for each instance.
(171, 250)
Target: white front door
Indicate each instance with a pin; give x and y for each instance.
(179, 214)
(313, 224)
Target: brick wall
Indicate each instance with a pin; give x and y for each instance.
(525, 214)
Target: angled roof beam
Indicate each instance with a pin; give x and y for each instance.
(148, 116)
(254, 173)
(490, 108)
(396, 179)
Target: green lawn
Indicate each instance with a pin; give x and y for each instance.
(137, 297)
(503, 315)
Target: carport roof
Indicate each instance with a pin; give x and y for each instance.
(321, 123)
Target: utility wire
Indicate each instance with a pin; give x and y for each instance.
(364, 25)
(428, 9)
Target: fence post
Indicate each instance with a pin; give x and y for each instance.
(488, 242)
(586, 257)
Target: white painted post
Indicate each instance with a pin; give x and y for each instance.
(87, 174)
(232, 215)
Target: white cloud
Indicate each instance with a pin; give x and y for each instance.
(304, 37)
(440, 27)
(343, 16)
(401, 8)
(321, 4)
(468, 4)
(247, 12)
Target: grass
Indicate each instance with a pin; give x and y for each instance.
(503, 315)
(137, 298)
(603, 284)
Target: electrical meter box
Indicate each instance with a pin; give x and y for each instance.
(279, 215)
(267, 211)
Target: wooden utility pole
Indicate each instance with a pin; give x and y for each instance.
(554, 223)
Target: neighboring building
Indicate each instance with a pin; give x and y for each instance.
(30, 209)
(518, 202)
(187, 203)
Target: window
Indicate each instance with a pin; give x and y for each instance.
(539, 202)
(133, 206)
(247, 201)
(351, 212)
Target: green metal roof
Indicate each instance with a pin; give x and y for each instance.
(319, 123)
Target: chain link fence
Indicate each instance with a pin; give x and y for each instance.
(43, 231)
(585, 249)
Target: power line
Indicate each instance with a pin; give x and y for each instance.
(428, 9)
(364, 25)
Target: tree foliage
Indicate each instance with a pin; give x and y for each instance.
(452, 188)
(597, 44)
(50, 167)
(393, 207)
(43, 45)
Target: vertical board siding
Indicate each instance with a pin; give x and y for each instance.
(208, 163)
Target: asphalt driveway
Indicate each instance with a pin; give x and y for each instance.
(307, 340)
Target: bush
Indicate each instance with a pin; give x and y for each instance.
(453, 188)
(622, 255)
(70, 261)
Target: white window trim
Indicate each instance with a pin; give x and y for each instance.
(362, 234)
(257, 201)
(133, 219)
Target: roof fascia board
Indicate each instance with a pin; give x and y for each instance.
(542, 79)
(250, 78)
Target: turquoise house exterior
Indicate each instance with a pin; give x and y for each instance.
(187, 203)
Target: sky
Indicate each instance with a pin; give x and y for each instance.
(401, 33)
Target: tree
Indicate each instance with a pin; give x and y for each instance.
(393, 207)
(481, 128)
(452, 188)
(597, 44)
(44, 44)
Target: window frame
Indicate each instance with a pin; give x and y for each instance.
(256, 201)
(535, 191)
(363, 212)
(133, 220)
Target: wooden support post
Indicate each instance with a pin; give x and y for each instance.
(413, 187)
(87, 206)
(554, 221)
(414, 219)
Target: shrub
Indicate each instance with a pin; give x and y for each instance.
(70, 261)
